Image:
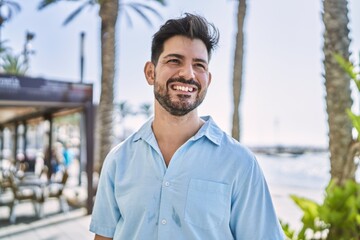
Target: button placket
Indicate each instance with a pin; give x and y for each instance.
(164, 204)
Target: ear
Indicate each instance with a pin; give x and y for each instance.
(149, 71)
(210, 76)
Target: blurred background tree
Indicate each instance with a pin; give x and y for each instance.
(238, 69)
(337, 84)
(13, 64)
(108, 12)
(7, 10)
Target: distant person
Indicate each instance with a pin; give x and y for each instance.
(56, 157)
(180, 176)
(67, 154)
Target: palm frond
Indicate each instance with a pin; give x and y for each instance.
(128, 18)
(162, 2)
(77, 11)
(139, 9)
(4, 48)
(12, 5)
(45, 3)
(349, 68)
(13, 65)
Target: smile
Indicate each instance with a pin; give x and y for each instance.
(183, 88)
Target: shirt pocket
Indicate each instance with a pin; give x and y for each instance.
(207, 203)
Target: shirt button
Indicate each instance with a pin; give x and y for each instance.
(163, 222)
(167, 184)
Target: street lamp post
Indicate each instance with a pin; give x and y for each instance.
(82, 39)
(29, 36)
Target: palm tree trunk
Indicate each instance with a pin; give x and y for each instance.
(108, 14)
(238, 69)
(337, 83)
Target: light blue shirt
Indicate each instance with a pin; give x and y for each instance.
(213, 189)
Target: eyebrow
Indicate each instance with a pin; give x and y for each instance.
(182, 57)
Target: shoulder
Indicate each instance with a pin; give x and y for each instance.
(238, 149)
(224, 143)
(118, 154)
(226, 150)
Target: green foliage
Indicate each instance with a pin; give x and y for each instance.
(349, 68)
(310, 219)
(355, 120)
(337, 218)
(289, 233)
(341, 210)
(71, 119)
(12, 64)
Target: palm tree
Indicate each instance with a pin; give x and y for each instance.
(123, 110)
(12, 64)
(146, 109)
(108, 13)
(338, 94)
(238, 68)
(7, 10)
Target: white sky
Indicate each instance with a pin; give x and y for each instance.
(283, 96)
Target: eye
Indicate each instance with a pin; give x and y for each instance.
(201, 66)
(174, 60)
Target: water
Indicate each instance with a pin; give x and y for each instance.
(306, 175)
(310, 170)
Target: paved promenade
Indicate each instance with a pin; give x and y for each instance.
(54, 225)
(72, 225)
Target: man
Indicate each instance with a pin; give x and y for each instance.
(180, 176)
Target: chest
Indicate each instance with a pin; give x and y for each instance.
(178, 198)
(168, 150)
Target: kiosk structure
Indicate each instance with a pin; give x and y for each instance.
(27, 101)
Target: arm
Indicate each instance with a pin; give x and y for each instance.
(252, 205)
(98, 237)
(106, 213)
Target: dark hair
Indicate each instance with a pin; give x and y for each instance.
(191, 26)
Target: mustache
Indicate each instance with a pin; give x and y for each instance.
(185, 81)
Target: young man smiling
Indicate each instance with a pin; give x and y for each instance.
(180, 176)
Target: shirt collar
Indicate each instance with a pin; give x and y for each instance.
(210, 130)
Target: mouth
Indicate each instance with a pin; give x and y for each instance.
(182, 88)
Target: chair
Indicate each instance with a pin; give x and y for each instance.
(55, 190)
(4, 181)
(6, 196)
(25, 192)
(7, 200)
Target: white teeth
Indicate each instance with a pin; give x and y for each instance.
(184, 89)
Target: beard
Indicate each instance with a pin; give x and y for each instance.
(180, 104)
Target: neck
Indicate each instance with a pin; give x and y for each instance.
(173, 131)
(176, 128)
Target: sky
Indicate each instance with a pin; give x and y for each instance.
(283, 98)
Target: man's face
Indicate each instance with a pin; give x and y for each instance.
(181, 77)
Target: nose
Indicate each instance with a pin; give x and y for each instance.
(187, 72)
